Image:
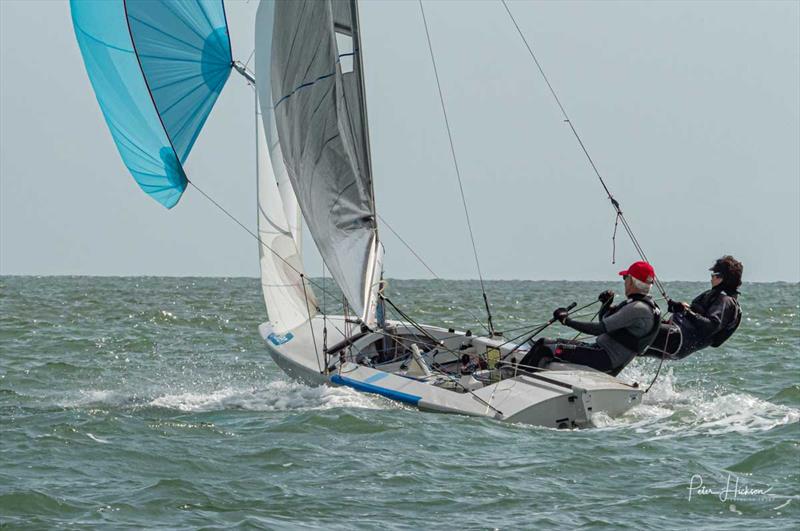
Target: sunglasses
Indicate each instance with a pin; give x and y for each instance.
(716, 275)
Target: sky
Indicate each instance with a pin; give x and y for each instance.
(691, 111)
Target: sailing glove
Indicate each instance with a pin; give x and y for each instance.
(675, 306)
(606, 297)
(560, 315)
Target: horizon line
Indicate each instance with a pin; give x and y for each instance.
(67, 275)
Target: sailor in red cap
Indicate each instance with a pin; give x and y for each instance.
(623, 331)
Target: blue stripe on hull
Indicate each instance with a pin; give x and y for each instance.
(368, 388)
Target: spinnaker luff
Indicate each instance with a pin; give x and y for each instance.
(157, 68)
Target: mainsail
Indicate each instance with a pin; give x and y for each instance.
(157, 67)
(314, 94)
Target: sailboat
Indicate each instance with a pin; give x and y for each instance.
(157, 68)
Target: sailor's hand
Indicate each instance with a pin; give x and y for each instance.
(676, 306)
(560, 315)
(606, 297)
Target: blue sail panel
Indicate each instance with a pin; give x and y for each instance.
(185, 55)
(157, 68)
(102, 33)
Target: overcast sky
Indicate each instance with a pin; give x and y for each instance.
(691, 111)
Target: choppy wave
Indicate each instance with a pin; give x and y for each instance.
(143, 402)
(669, 409)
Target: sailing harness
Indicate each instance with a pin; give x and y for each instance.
(640, 344)
(679, 337)
(627, 339)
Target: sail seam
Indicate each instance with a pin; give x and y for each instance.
(150, 91)
(310, 83)
(164, 33)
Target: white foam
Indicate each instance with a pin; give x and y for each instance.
(97, 439)
(668, 410)
(192, 401)
(93, 397)
(278, 395)
(275, 396)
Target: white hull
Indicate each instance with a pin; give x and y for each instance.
(565, 396)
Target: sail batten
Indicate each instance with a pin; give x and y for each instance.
(320, 121)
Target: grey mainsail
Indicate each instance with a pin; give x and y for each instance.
(319, 108)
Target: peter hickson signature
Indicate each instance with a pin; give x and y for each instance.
(732, 491)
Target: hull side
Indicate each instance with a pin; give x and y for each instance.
(561, 398)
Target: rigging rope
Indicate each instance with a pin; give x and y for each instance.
(660, 363)
(324, 320)
(418, 257)
(311, 325)
(257, 238)
(458, 172)
(432, 272)
(539, 329)
(614, 202)
(413, 323)
(436, 368)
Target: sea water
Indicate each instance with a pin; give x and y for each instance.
(151, 402)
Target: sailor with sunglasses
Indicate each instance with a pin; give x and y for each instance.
(711, 318)
(623, 331)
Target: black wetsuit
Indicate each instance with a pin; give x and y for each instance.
(623, 332)
(713, 317)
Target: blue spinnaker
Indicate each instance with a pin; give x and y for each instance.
(157, 67)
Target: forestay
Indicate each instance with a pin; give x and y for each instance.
(157, 67)
(319, 109)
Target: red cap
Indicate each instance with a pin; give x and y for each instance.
(640, 271)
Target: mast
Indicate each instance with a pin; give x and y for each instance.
(359, 55)
(374, 261)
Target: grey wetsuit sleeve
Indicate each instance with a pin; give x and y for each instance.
(594, 329)
(636, 317)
